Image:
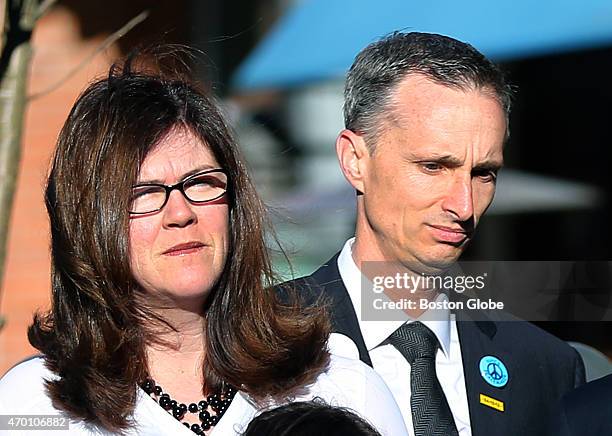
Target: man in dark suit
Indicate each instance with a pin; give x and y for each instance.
(426, 119)
(585, 411)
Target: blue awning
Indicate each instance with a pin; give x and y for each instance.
(318, 39)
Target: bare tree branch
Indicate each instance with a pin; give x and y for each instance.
(3, 23)
(105, 44)
(14, 61)
(43, 8)
(28, 15)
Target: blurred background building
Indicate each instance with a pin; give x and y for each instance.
(278, 66)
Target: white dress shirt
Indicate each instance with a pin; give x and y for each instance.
(391, 365)
(347, 383)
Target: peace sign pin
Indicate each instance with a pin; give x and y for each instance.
(493, 371)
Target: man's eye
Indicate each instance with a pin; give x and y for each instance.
(486, 176)
(431, 167)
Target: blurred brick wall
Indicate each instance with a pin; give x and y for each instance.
(58, 48)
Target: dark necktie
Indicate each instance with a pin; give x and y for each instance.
(431, 415)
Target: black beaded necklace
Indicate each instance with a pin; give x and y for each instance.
(218, 403)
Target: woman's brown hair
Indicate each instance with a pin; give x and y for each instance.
(95, 334)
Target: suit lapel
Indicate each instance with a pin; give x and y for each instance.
(343, 316)
(478, 339)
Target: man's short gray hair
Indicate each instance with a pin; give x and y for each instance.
(378, 69)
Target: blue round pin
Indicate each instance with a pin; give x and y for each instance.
(493, 371)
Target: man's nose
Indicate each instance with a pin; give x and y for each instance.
(459, 200)
(178, 211)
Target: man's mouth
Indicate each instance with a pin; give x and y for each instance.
(449, 235)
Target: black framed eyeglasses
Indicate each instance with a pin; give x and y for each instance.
(199, 188)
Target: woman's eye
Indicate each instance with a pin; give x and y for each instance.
(144, 191)
(207, 181)
(201, 181)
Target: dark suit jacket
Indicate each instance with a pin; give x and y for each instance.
(585, 411)
(541, 367)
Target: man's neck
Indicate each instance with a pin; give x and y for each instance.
(408, 284)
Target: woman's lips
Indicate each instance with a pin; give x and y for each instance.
(183, 249)
(448, 234)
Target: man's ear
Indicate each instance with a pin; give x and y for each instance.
(353, 156)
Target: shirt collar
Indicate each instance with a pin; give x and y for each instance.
(376, 332)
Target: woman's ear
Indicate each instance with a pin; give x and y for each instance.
(353, 156)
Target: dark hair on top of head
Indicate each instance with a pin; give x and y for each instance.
(95, 333)
(380, 67)
(305, 418)
(172, 61)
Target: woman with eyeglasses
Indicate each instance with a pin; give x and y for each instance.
(162, 321)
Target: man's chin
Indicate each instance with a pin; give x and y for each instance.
(433, 268)
(437, 263)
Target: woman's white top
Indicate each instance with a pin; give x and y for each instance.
(348, 383)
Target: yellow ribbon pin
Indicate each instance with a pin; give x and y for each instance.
(492, 402)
